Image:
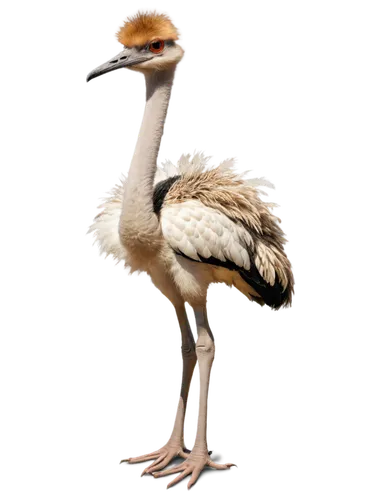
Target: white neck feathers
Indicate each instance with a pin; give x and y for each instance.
(138, 220)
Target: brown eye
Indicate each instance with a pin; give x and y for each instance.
(157, 46)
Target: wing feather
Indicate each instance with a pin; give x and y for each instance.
(195, 230)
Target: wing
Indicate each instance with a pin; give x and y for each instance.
(204, 234)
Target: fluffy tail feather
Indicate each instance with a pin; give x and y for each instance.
(271, 274)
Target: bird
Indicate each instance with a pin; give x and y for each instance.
(187, 226)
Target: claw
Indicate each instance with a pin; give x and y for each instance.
(145, 473)
(125, 460)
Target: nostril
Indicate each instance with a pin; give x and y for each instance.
(113, 62)
(123, 57)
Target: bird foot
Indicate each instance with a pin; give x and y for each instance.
(194, 464)
(161, 457)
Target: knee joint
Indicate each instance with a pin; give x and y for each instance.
(206, 349)
(188, 351)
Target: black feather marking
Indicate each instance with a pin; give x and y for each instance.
(160, 192)
(274, 296)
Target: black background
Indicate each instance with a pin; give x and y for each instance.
(243, 63)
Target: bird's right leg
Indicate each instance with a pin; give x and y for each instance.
(175, 446)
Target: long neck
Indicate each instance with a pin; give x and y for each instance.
(137, 203)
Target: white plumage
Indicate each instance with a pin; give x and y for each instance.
(195, 230)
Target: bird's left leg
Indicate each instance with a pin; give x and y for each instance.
(199, 456)
(175, 444)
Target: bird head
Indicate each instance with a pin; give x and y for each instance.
(149, 41)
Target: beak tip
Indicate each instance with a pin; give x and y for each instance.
(87, 78)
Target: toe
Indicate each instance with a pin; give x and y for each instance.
(179, 478)
(142, 458)
(149, 467)
(163, 463)
(172, 470)
(214, 465)
(194, 476)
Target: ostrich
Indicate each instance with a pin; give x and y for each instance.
(186, 226)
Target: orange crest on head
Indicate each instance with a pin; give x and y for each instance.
(145, 27)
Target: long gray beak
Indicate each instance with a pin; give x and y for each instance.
(126, 58)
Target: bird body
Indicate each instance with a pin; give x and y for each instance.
(214, 228)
